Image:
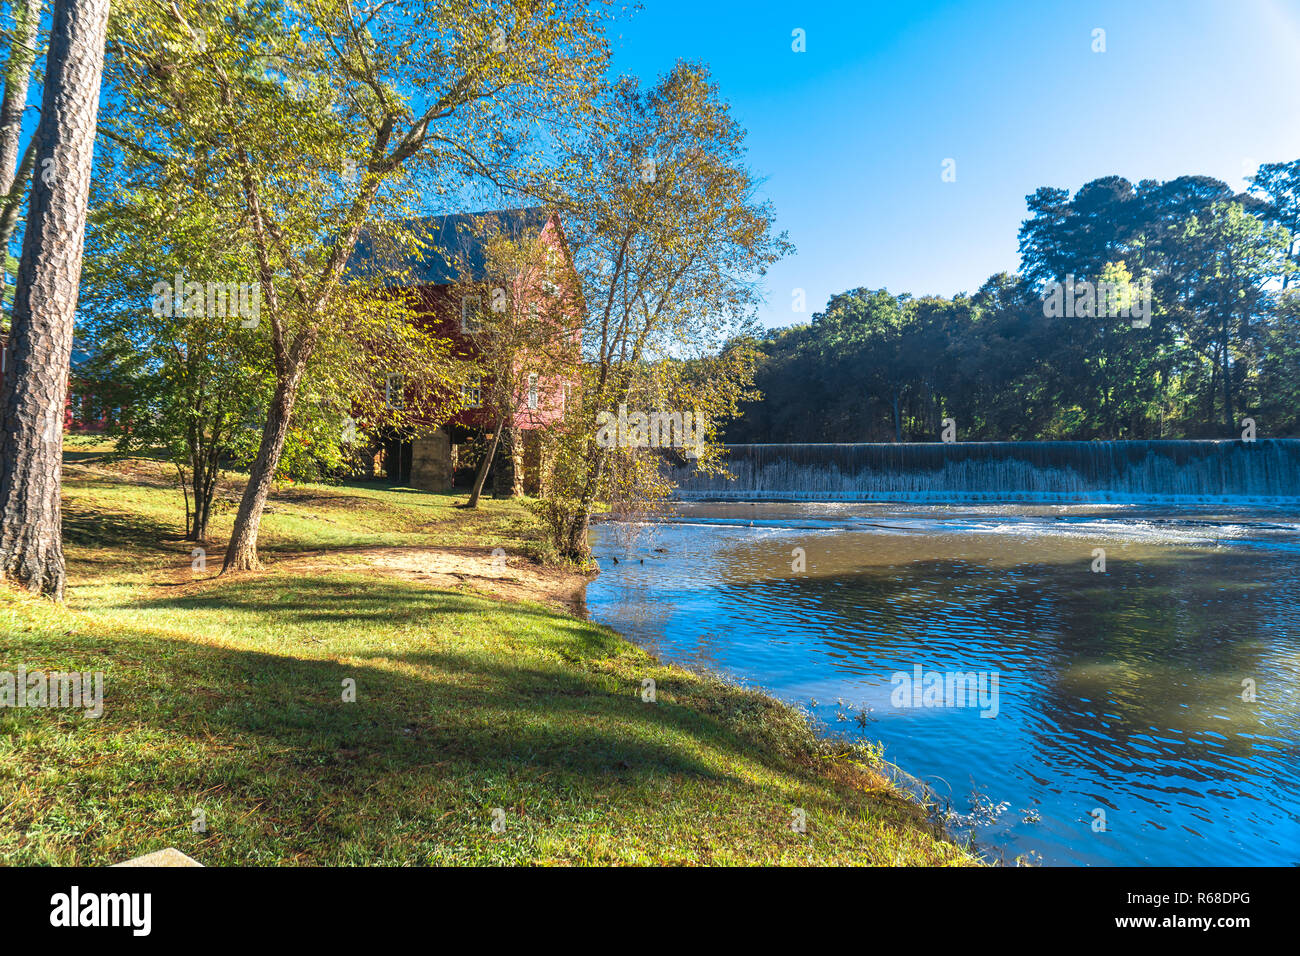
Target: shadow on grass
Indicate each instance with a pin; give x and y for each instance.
(100, 529)
(462, 704)
(485, 706)
(480, 709)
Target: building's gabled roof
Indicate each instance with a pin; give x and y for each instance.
(79, 357)
(447, 243)
(80, 354)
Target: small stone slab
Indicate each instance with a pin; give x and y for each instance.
(168, 857)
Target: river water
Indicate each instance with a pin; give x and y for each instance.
(1144, 714)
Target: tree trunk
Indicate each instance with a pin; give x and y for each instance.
(18, 75)
(1228, 413)
(479, 478)
(12, 201)
(241, 553)
(40, 341)
(199, 484)
(506, 481)
(205, 458)
(1212, 393)
(574, 545)
(213, 473)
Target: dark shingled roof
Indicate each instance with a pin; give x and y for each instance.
(445, 243)
(80, 354)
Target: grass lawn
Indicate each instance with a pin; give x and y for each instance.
(225, 695)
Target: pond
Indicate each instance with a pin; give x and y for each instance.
(1131, 675)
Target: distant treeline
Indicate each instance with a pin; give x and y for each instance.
(1222, 344)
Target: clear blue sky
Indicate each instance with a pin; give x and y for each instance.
(851, 134)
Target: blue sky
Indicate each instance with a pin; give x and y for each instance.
(851, 135)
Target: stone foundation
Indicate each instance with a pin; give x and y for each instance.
(537, 462)
(432, 468)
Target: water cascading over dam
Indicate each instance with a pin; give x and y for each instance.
(1266, 471)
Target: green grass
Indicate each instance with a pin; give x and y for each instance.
(225, 695)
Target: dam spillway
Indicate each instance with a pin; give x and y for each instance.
(1266, 471)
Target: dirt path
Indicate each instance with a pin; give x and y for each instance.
(511, 578)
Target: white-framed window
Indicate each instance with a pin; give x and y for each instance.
(552, 261)
(471, 392)
(532, 390)
(393, 389)
(552, 271)
(469, 309)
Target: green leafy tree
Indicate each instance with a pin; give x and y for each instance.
(669, 242)
(189, 382)
(1237, 256)
(309, 122)
(1278, 185)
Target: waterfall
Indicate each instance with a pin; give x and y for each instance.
(1266, 471)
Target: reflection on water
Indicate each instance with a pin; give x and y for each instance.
(1118, 691)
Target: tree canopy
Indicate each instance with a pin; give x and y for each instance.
(1219, 342)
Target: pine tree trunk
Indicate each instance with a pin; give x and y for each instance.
(40, 341)
(18, 75)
